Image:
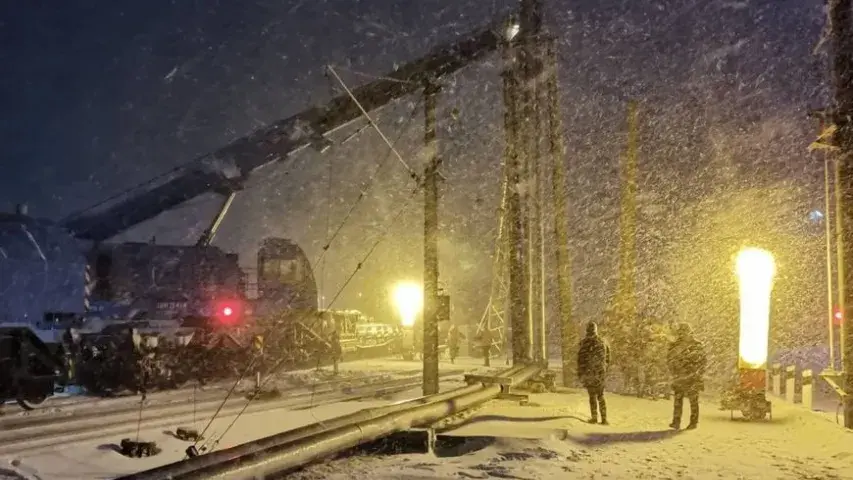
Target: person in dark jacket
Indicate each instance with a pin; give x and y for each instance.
(686, 360)
(593, 362)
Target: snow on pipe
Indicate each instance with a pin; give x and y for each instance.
(184, 467)
(286, 457)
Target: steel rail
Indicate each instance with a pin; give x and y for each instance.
(289, 450)
(201, 400)
(50, 436)
(209, 460)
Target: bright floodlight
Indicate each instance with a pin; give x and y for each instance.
(755, 270)
(408, 297)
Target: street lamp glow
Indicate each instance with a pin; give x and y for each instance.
(409, 299)
(755, 270)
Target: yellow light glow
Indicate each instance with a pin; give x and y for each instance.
(409, 299)
(755, 270)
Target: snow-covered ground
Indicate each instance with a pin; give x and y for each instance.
(90, 459)
(546, 439)
(549, 439)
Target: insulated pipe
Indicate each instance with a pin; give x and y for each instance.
(307, 449)
(184, 467)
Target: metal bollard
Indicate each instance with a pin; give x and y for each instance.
(808, 389)
(791, 383)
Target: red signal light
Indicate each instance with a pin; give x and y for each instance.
(228, 311)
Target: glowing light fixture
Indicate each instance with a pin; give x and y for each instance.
(755, 269)
(409, 299)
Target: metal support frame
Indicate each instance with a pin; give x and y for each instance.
(519, 280)
(841, 34)
(491, 330)
(210, 232)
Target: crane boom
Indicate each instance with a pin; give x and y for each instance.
(225, 170)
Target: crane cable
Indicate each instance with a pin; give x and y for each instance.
(364, 112)
(349, 279)
(370, 184)
(278, 365)
(326, 241)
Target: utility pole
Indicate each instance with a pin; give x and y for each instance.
(540, 247)
(518, 316)
(430, 337)
(537, 207)
(828, 240)
(841, 23)
(535, 244)
(530, 66)
(568, 330)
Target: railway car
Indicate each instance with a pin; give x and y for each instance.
(90, 314)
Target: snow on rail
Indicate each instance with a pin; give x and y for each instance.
(51, 434)
(95, 456)
(550, 439)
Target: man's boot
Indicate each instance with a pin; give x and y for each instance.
(694, 422)
(676, 422)
(694, 416)
(593, 410)
(678, 405)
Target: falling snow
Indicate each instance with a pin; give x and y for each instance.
(99, 99)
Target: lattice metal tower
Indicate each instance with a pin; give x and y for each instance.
(493, 324)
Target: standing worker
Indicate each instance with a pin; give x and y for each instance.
(593, 362)
(454, 336)
(687, 361)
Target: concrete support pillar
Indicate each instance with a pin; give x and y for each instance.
(776, 379)
(791, 383)
(808, 389)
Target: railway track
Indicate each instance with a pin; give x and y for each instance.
(82, 406)
(46, 433)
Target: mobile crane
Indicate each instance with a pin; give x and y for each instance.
(43, 272)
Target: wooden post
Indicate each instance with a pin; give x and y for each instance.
(430, 295)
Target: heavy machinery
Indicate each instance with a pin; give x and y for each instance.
(46, 267)
(360, 336)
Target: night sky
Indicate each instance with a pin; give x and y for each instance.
(99, 96)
